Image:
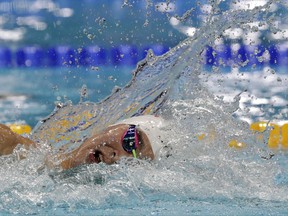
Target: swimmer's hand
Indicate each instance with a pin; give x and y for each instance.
(9, 140)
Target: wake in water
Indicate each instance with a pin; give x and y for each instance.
(190, 171)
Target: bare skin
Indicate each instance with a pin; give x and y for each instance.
(104, 147)
(9, 140)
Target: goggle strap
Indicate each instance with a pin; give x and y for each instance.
(134, 153)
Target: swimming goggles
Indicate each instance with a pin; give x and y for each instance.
(130, 140)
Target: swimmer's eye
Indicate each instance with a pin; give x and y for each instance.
(130, 140)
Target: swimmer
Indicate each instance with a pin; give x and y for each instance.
(137, 137)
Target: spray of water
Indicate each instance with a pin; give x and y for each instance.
(195, 167)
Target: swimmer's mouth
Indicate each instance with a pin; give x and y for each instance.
(95, 157)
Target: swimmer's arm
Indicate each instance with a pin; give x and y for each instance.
(9, 140)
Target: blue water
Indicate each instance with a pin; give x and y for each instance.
(200, 178)
(30, 94)
(191, 177)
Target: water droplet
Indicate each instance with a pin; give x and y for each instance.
(90, 36)
(95, 68)
(83, 93)
(146, 23)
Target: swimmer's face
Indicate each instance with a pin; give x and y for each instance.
(107, 147)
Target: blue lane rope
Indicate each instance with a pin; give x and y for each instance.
(221, 55)
(246, 56)
(34, 56)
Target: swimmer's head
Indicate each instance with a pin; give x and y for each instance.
(115, 142)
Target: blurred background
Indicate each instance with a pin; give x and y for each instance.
(49, 33)
(44, 32)
(57, 33)
(51, 51)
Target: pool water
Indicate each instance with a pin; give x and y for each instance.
(30, 94)
(200, 178)
(192, 176)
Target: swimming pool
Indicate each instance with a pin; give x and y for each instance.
(201, 178)
(193, 176)
(33, 92)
